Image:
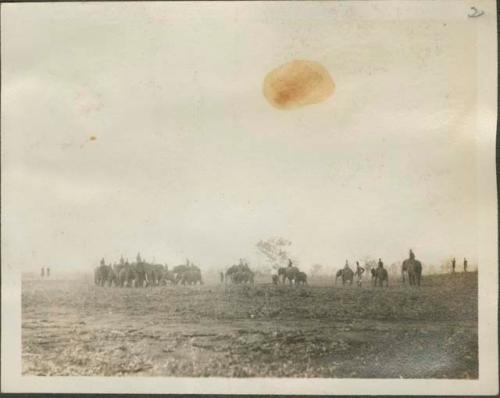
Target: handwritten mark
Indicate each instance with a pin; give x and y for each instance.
(475, 12)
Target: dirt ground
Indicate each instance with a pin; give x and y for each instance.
(71, 327)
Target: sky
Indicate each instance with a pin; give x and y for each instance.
(131, 127)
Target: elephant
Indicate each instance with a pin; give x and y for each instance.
(346, 274)
(414, 269)
(168, 276)
(381, 276)
(240, 273)
(153, 274)
(140, 273)
(99, 276)
(187, 275)
(191, 277)
(242, 277)
(301, 278)
(127, 276)
(289, 273)
(104, 274)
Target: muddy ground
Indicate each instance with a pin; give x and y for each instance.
(71, 327)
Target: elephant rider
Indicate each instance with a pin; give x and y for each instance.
(381, 264)
(412, 255)
(346, 266)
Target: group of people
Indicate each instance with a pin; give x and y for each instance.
(454, 264)
(360, 270)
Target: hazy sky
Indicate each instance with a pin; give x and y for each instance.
(190, 160)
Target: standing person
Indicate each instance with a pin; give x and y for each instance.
(43, 272)
(359, 272)
(48, 272)
(465, 264)
(453, 264)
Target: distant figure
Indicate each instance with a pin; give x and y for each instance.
(43, 272)
(289, 262)
(412, 255)
(222, 277)
(102, 261)
(48, 272)
(453, 264)
(382, 275)
(465, 264)
(359, 272)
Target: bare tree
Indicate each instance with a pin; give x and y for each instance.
(275, 251)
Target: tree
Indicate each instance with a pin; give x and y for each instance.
(369, 263)
(395, 268)
(275, 251)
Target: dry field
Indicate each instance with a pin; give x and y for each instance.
(71, 327)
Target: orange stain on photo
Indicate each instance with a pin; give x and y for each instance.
(297, 84)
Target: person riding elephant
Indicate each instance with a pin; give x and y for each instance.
(240, 273)
(290, 272)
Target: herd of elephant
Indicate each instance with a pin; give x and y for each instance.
(141, 274)
(411, 269)
(291, 274)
